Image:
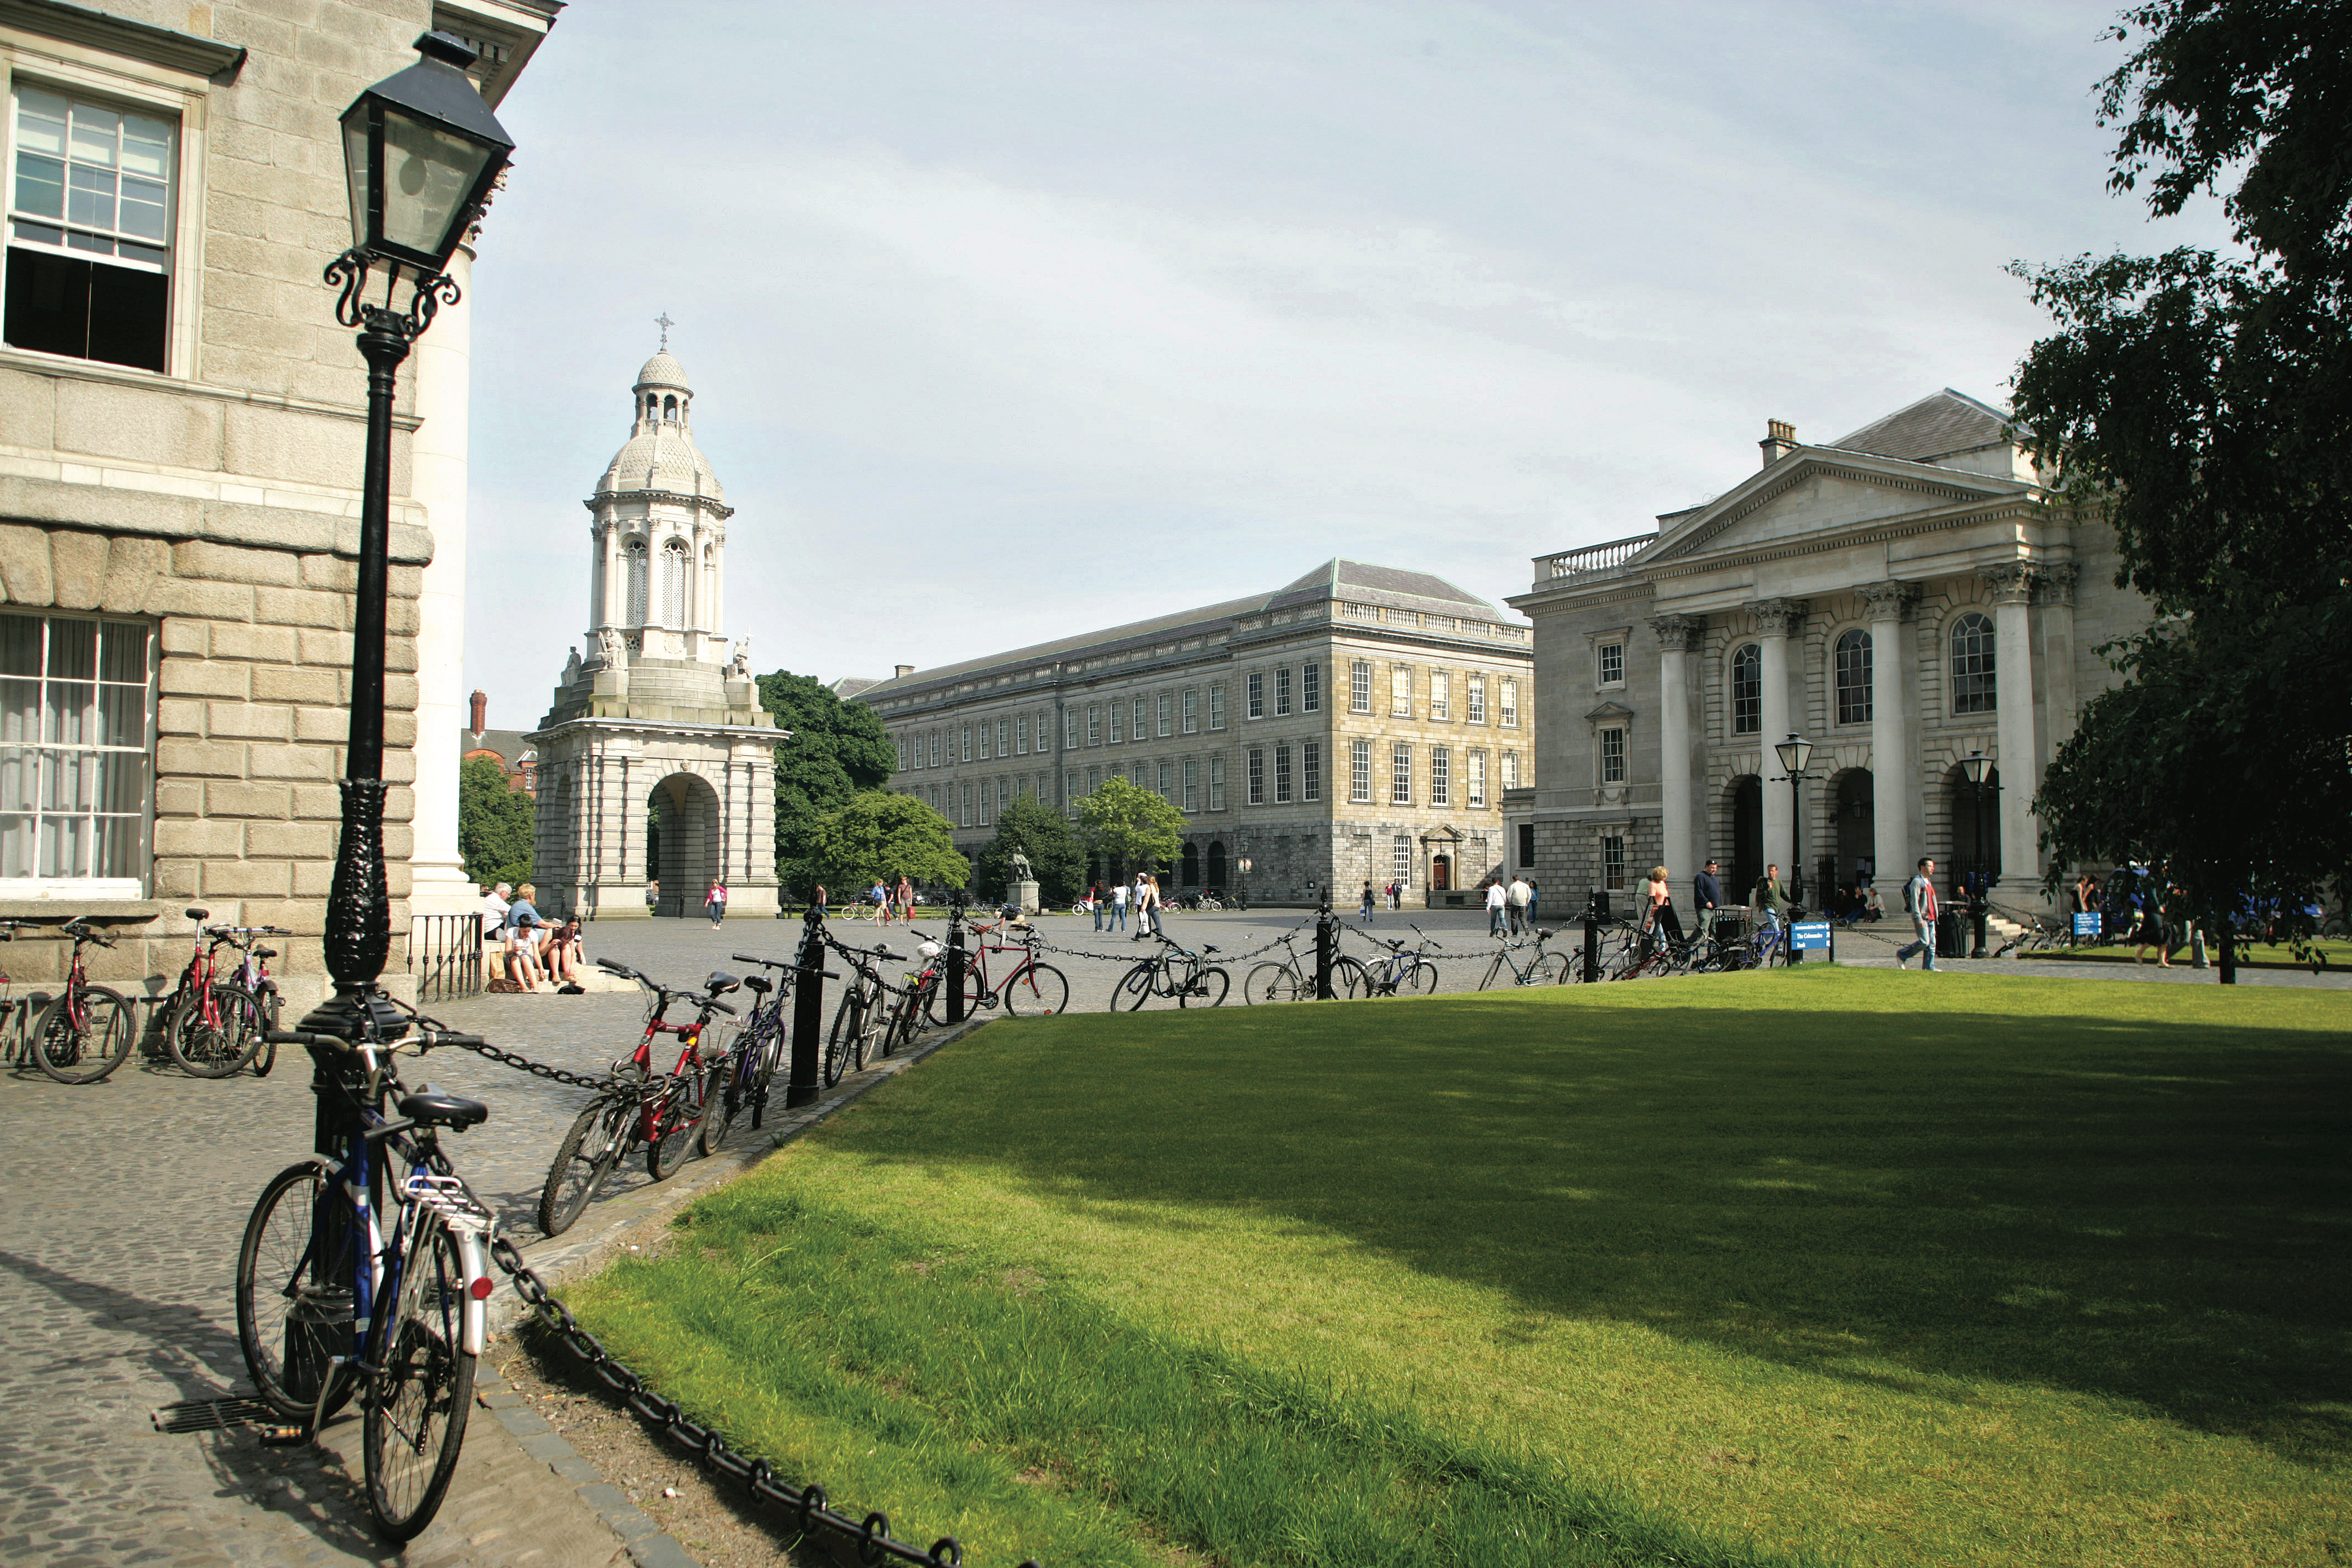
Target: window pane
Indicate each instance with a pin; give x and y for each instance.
(95, 133)
(20, 712)
(19, 768)
(142, 209)
(122, 716)
(73, 650)
(90, 197)
(66, 718)
(40, 186)
(121, 786)
(146, 147)
(16, 846)
(63, 841)
(117, 846)
(68, 780)
(41, 121)
(122, 653)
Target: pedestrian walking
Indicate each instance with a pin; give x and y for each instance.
(1535, 896)
(1770, 897)
(906, 902)
(1919, 899)
(1517, 898)
(1658, 912)
(1095, 902)
(1368, 903)
(1496, 902)
(1118, 907)
(715, 901)
(2153, 930)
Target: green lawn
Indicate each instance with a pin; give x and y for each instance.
(1836, 1266)
(2334, 952)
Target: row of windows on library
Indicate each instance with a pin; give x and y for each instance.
(1281, 774)
(1266, 695)
(1973, 690)
(1190, 861)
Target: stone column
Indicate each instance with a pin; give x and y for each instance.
(1776, 621)
(1894, 741)
(1676, 636)
(2055, 592)
(2011, 588)
(442, 358)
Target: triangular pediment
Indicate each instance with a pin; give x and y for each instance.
(1817, 491)
(1607, 712)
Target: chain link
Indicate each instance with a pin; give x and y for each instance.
(600, 1082)
(808, 1507)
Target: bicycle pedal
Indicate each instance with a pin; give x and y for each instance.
(282, 1434)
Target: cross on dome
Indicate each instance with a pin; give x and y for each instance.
(664, 323)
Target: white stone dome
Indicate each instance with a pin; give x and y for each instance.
(662, 371)
(661, 457)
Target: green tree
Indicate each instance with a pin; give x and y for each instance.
(836, 750)
(494, 824)
(1134, 827)
(1055, 857)
(2201, 402)
(885, 836)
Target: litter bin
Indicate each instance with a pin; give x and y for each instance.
(1951, 933)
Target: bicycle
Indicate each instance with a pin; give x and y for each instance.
(1175, 971)
(1031, 990)
(1541, 968)
(862, 1024)
(1397, 972)
(760, 1046)
(1288, 980)
(216, 1024)
(87, 1031)
(333, 1301)
(14, 1043)
(665, 1114)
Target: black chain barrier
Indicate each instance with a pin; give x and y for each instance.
(1223, 958)
(598, 1081)
(806, 1507)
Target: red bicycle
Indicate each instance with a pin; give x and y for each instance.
(220, 1022)
(88, 1030)
(1031, 990)
(669, 1115)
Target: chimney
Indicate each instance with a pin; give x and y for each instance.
(903, 671)
(481, 713)
(1780, 439)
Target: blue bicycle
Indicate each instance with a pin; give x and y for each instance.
(366, 1270)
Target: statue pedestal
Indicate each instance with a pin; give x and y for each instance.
(1024, 893)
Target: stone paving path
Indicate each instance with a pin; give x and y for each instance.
(124, 1202)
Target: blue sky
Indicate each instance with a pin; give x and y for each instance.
(1008, 321)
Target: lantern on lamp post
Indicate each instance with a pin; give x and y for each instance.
(421, 153)
(1794, 754)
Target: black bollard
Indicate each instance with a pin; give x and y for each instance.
(955, 965)
(808, 1011)
(1324, 942)
(1592, 945)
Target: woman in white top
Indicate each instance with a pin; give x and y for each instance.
(1658, 909)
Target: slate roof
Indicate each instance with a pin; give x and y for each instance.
(1358, 581)
(1937, 425)
(850, 685)
(508, 744)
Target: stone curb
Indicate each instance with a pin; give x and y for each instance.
(560, 1260)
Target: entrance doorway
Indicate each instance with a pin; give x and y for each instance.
(1746, 837)
(687, 842)
(1974, 813)
(1441, 873)
(1855, 803)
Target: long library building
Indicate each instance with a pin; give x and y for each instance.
(1359, 724)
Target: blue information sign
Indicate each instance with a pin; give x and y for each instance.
(2086, 922)
(1810, 936)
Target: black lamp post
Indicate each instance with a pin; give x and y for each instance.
(1242, 864)
(1977, 767)
(1794, 754)
(421, 150)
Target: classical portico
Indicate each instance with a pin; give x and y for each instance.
(1902, 598)
(656, 763)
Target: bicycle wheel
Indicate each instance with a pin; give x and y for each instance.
(87, 1051)
(844, 1048)
(770, 1055)
(588, 1151)
(1349, 980)
(974, 994)
(1134, 987)
(1039, 991)
(1422, 980)
(294, 1305)
(718, 1103)
(265, 1057)
(1207, 990)
(422, 1391)
(1551, 969)
(1271, 982)
(677, 1128)
(214, 1041)
(1494, 972)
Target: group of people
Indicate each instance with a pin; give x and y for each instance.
(2142, 903)
(533, 951)
(1511, 908)
(888, 903)
(1142, 895)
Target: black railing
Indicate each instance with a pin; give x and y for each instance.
(444, 954)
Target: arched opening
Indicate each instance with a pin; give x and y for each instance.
(1189, 873)
(1853, 830)
(684, 844)
(674, 584)
(1852, 668)
(669, 409)
(1746, 837)
(1973, 812)
(1216, 865)
(635, 551)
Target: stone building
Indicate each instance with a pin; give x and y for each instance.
(1359, 724)
(660, 715)
(181, 447)
(1902, 598)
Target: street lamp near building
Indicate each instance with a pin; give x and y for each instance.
(1794, 754)
(421, 151)
(1976, 768)
(1242, 864)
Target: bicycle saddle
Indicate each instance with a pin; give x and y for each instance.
(435, 1109)
(198, 914)
(1540, 931)
(265, 952)
(1208, 947)
(720, 983)
(760, 984)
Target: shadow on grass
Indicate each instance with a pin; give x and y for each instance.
(2147, 1208)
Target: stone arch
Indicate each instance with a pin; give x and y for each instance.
(1745, 796)
(1966, 808)
(1217, 866)
(686, 809)
(1853, 816)
(1190, 873)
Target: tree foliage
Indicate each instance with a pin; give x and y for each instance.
(2201, 402)
(1132, 826)
(836, 749)
(885, 836)
(1055, 857)
(494, 824)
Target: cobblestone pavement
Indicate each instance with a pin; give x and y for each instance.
(126, 1199)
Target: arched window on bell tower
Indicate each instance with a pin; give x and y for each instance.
(635, 550)
(674, 584)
